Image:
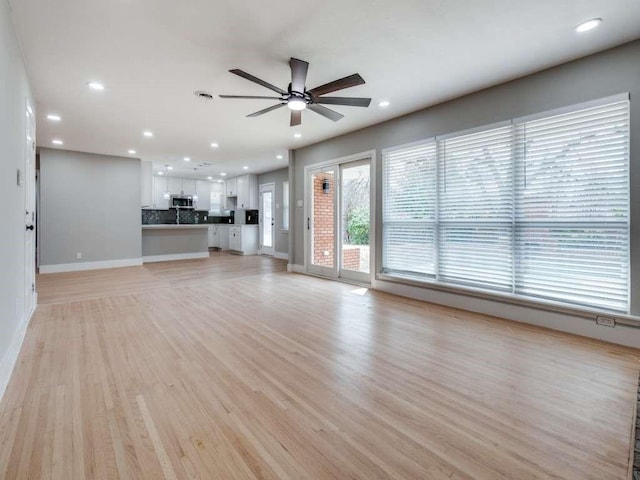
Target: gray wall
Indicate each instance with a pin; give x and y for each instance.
(278, 177)
(90, 204)
(13, 96)
(607, 73)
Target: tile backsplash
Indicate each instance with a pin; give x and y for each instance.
(156, 217)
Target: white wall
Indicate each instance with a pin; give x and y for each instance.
(597, 76)
(89, 204)
(14, 92)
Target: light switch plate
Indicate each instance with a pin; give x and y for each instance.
(300, 204)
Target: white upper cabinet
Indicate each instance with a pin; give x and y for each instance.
(175, 185)
(146, 184)
(159, 187)
(188, 186)
(247, 192)
(231, 186)
(203, 189)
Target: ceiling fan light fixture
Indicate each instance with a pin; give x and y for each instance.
(296, 104)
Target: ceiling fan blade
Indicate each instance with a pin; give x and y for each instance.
(348, 101)
(299, 70)
(266, 110)
(250, 97)
(325, 112)
(296, 118)
(253, 79)
(346, 82)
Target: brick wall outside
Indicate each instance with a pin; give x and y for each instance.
(351, 257)
(323, 228)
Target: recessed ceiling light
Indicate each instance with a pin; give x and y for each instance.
(384, 103)
(214, 145)
(245, 168)
(147, 133)
(279, 157)
(219, 181)
(53, 117)
(297, 135)
(96, 86)
(169, 167)
(222, 174)
(187, 159)
(132, 152)
(588, 25)
(209, 178)
(57, 142)
(160, 173)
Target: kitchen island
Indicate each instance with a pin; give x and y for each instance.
(162, 242)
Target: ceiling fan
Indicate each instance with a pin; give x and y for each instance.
(297, 97)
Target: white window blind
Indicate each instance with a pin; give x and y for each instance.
(409, 209)
(476, 209)
(537, 208)
(572, 207)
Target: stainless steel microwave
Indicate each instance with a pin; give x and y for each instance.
(181, 201)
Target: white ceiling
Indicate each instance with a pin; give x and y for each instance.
(153, 54)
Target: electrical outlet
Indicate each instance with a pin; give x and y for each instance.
(606, 321)
(79, 256)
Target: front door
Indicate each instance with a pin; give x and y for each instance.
(267, 219)
(28, 180)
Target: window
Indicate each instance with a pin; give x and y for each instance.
(285, 206)
(536, 207)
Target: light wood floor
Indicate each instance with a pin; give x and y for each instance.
(232, 368)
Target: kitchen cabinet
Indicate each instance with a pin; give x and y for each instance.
(247, 198)
(146, 183)
(243, 239)
(175, 185)
(231, 187)
(219, 236)
(203, 189)
(159, 187)
(216, 197)
(188, 186)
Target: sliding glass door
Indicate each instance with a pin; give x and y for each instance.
(338, 220)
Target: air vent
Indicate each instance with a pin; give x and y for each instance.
(202, 95)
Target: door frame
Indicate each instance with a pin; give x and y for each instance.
(336, 162)
(30, 206)
(271, 186)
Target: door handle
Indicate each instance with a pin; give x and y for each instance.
(30, 227)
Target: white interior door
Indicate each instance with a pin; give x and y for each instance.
(267, 219)
(29, 182)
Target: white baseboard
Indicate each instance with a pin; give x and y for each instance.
(620, 334)
(174, 256)
(77, 267)
(294, 267)
(281, 255)
(10, 358)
